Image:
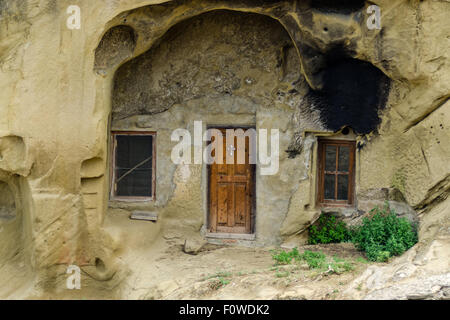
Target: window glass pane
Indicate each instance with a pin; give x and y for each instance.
(344, 154)
(138, 183)
(134, 165)
(330, 158)
(329, 186)
(342, 187)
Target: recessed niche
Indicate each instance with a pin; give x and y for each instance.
(117, 44)
(7, 202)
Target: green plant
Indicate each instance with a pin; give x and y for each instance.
(341, 266)
(361, 260)
(282, 274)
(315, 260)
(384, 235)
(285, 257)
(328, 230)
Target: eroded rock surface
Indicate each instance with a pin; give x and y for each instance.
(301, 66)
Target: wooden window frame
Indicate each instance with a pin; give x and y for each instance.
(321, 173)
(114, 135)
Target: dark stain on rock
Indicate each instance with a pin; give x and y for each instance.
(353, 93)
(306, 18)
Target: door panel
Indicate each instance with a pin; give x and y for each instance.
(223, 199)
(240, 191)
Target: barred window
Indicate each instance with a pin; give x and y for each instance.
(133, 169)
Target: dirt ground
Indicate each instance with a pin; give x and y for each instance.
(165, 271)
(226, 272)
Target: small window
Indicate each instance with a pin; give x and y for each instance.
(133, 169)
(336, 172)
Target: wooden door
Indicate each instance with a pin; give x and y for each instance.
(231, 191)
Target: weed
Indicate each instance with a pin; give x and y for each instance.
(341, 267)
(315, 260)
(285, 257)
(220, 274)
(337, 259)
(282, 274)
(361, 260)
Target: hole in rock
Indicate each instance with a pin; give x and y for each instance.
(346, 131)
(100, 265)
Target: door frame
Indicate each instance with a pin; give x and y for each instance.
(245, 236)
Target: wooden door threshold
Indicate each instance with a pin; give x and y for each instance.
(237, 236)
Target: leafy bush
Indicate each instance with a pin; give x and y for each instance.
(384, 235)
(328, 230)
(380, 236)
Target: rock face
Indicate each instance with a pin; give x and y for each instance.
(421, 273)
(213, 67)
(307, 68)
